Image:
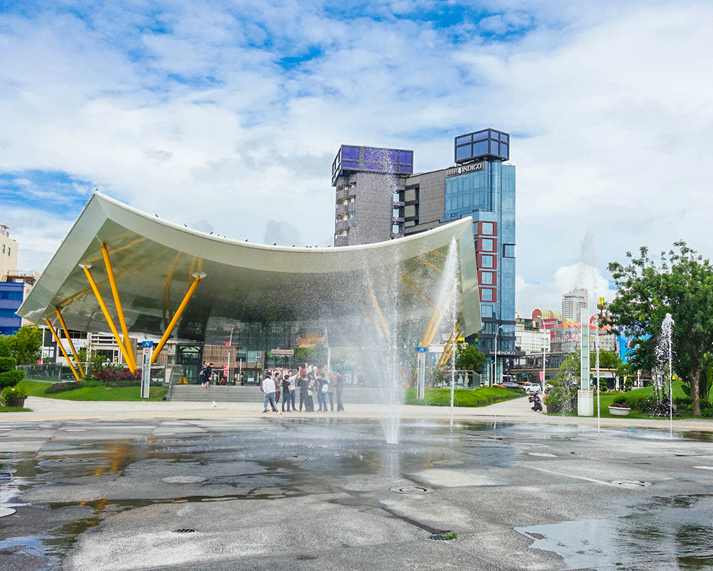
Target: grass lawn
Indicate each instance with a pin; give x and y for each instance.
(37, 389)
(14, 409)
(608, 398)
(463, 397)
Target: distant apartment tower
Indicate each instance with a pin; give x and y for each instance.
(11, 294)
(378, 198)
(572, 303)
(8, 253)
(369, 181)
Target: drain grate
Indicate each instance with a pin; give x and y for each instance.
(183, 480)
(411, 490)
(631, 483)
(443, 536)
(446, 462)
(184, 530)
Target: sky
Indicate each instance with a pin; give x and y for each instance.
(226, 116)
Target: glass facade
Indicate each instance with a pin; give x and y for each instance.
(371, 159)
(487, 143)
(11, 294)
(488, 196)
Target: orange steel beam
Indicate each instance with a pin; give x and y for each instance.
(373, 319)
(71, 344)
(196, 278)
(61, 348)
(450, 344)
(119, 309)
(441, 313)
(431, 265)
(107, 316)
(414, 289)
(378, 309)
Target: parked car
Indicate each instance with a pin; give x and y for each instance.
(510, 385)
(532, 388)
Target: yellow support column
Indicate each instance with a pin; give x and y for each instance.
(107, 316)
(196, 278)
(441, 313)
(378, 309)
(450, 345)
(61, 348)
(373, 320)
(119, 309)
(71, 345)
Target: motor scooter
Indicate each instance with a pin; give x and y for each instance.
(536, 403)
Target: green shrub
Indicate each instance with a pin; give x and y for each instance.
(640, 403)
(11, 378)
(62, 387)
(7, 364)
(13, 393)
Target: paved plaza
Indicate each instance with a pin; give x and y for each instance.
(168, 486)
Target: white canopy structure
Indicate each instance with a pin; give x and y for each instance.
(163, 280)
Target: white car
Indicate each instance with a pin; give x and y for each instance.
(532, 388)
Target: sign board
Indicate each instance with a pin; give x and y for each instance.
(421, 383)
(283, 352)
(465, 169)
(146, 350)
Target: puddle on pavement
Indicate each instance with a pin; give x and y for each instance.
(663, 533)
(250, 465)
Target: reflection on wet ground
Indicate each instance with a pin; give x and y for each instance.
(661, 533)
(77, 476)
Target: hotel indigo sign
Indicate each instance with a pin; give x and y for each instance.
(465, 169)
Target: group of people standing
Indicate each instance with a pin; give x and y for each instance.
(310, 381)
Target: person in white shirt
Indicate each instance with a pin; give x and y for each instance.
(293, 388)
(268, 389)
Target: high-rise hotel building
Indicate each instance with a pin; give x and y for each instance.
(378, 197)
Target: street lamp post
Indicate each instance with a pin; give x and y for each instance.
(544, 350)
(496, 354)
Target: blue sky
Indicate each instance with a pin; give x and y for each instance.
(226, 115)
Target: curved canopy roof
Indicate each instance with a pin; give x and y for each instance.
(154, 262)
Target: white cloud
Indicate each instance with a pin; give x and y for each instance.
(608, 103)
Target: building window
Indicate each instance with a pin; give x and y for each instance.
(487, 310)
(487, 294)
(487, 261)
(486, 245)
(395, 229)
(8, 250)
(3, 248)
(487, 228)
(509, 250)
(487, 278)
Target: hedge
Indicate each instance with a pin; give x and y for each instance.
(74, 385)
(11, 378)
(7, 363)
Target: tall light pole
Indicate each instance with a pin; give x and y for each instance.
(496, 353)
(544, 350)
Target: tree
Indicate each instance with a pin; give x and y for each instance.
(680, 283)
(8, 376)
(25, 344)
(563, 397)
(468, 358)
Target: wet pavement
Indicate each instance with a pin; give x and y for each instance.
(280, 492)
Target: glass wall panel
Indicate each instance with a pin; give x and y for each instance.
(350, 153)
(480, 148)
(463, 152)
